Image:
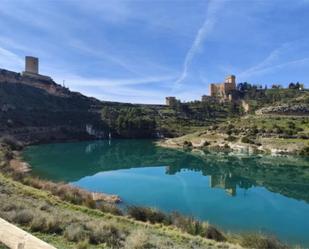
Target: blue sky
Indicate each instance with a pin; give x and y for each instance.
(141, 51)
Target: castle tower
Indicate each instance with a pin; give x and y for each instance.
(230, 79)
(31, 65)
(169, 101)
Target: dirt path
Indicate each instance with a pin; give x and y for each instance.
(16, 238)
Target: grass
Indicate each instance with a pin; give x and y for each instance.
(3, 246)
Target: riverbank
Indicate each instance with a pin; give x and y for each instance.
(57, 212)
(276, 135)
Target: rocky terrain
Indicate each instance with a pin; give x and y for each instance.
(286, 109)
(271, 134)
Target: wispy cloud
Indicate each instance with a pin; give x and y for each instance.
(204, 30)
(77, 80)
(10, 60)
(279, 58)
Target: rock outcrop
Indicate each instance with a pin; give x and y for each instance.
(286, 109)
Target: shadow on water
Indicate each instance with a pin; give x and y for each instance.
(69, 162)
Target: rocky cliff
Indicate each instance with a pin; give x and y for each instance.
(33, 108)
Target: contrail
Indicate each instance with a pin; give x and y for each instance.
(204, 30)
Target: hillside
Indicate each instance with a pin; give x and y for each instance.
(280, 125)
(36, 109)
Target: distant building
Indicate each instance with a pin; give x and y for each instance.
(31, 65)
(169, 101)
(223, 90)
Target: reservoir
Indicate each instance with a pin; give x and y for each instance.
(237, 193)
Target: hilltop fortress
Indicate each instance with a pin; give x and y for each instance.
(30, 76)
(219, 92)
(223, 90)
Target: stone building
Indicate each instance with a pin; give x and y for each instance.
(31, 65)
(223, 90)
(169, 101)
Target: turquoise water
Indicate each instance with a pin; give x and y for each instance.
(236, 193)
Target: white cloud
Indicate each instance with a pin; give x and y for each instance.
(204, 30)
(105, 82)
(10, 60)
(279, 58)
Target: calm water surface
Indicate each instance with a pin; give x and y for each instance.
(237, 193)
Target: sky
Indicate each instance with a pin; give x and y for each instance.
(141, 51)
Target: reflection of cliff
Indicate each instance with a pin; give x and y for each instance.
(288, 176)
(224, 182)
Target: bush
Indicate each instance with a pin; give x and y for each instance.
(138, 240)
(110, 208)
(76, 233)
(213, 233)
(304, 151)
(187, 144)
(258, 241)
(247, 140)
(47, 224)
(23, 217)
(231, 138)
(82, 245)
(196, 227)
(104, 233)
(206, 143)
(38, 223)
(12, 142)
(147, 214)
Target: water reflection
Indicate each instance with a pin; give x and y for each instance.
(70, 162)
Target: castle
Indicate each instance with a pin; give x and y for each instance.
(218, 92)
(31, 65)
(223, 90)
(32, 78)
(170, 101)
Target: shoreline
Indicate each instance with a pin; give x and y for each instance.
(19, 166)
(221, 145)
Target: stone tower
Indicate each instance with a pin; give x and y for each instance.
(31, 65)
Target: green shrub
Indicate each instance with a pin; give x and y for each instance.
(187, 144)
(258, 241)
(82, 244)
(12, 142)
(138, 240)
(23, 217)
(110, 208)
(214, 234)
(76, 232)
(104, 233)
(247, 140)
(206, 143)
(147, 214)
(304, 151)
(231, 138)
(38, 223)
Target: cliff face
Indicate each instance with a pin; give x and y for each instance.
(33, 108)
(35, 80)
